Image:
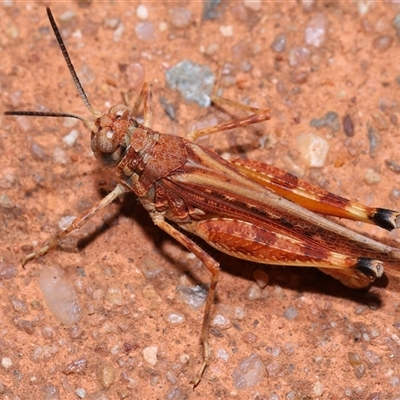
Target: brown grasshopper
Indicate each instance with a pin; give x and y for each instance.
(244, 208)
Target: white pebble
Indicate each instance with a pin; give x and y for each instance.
(142, 12)
(249, 373)
(313, 149)
(59, 295)
(150, 355)
(226, 30)
(6, 362)
(221, 321)
(70, 138)
(253, 5)
(174, 318)
(117, 35)
(81, 393)
(60, 156)
(315, 31)
(222, 354)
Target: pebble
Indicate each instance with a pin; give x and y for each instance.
(142, 12)
(118, 32)
(180, 17)
(348, 126)
(150, 268)
(221, 321)
(38, 152)
(60, 156)
(145, 31)
(372, 177)
(50, 392)
(298, 55)
(290, 313)
(114, 296)
(6, 362)
(226, 30)
(47, 332)
(194, 297)
(59, 295)
(106, 375)
(315, 31)
(174, 318)
(150, 355)
(111, 23)
(175, 393)
(253, 5)
(357, 364)
(222, 354)
(279, 43)
(261, 278)
(382, 43)
(330, 120)
(70, 139)
(313, 149)
(5, 201)
(81, 393)
(254, 292)
(19, 305)
(249, 373)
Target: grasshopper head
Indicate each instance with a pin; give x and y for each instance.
(111, 134)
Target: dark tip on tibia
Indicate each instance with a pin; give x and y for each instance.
(369, 268)
(386, 219)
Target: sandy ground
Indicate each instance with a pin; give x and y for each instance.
(304, 327)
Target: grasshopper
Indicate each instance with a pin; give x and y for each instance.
(244, 208)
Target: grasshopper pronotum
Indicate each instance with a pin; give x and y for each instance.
(244, 208)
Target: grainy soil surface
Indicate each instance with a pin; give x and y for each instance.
(308, 336)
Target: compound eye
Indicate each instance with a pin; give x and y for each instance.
(107, 141)
(119, 114)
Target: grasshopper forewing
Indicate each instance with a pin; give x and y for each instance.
(246, 209)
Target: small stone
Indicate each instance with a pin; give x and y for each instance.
(357, 364)
(261, 278)
(174, 318)
(150, 355)
(145, 31)
(142, 12)
(6, 362)
(194, 81)
(313, 149)
(150, 268)
(221, 321)
(106, 375)
(279, 43)
(70, 139)
(253, 5)
(180, 17)
(114, 296)
(372, 177)
(348, 126)
(315, 31)
(7, 270)
(290, 313)
(382, 43)
(226, 30)
(76, 367)
(249, 373)
(194, 297)
(81, 393)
